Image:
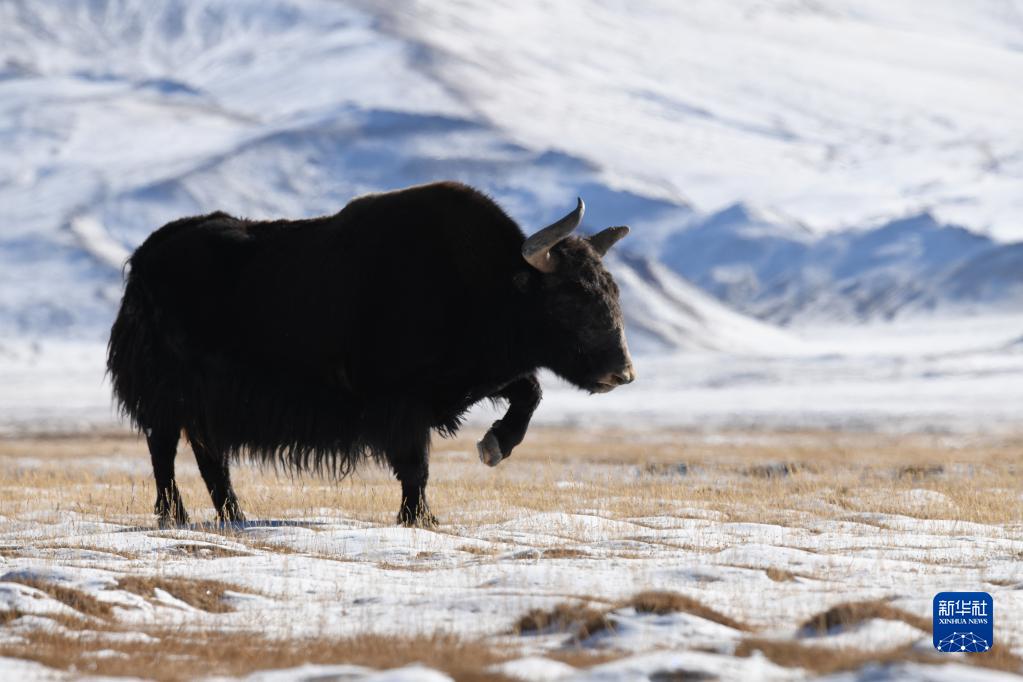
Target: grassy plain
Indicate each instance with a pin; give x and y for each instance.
(754, 519)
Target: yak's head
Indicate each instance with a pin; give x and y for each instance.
(579, 304)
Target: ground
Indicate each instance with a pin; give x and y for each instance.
(596, 554)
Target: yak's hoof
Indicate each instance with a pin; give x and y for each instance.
(231, 515)
(490, 450)
(165, 522)
(421, 521)
(231, 521)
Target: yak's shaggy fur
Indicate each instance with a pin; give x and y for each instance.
(315, 344)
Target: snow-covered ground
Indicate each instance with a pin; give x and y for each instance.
(477, 581)
(924, 374)
(765, 554)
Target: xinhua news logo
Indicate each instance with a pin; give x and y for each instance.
(964, 622)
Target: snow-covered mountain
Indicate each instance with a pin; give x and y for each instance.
(834, 113)
(119, 115)
(141, 130)
(784, 273)
(665, 312)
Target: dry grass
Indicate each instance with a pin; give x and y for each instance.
(34, 549)
(778, 469)
(797, 480)
(780, 575)
(9, 616)
(207, 595)
(478, 550)
(212, 653)
(827, 660)
(583, 621)
(414, 568)
(578, 657)
(205, 551)
(78, 600)
(579, 620)
(999, 657)
(273, 547)
(564, 553)
(850, 614)
(672, 602)
(84, 547)
(824, 660)
(746, 477)
(919, 472)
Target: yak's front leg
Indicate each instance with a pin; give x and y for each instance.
(523, 395)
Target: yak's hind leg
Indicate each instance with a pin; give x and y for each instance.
(523, 395)
(410, 459)
(215, 472)
(163, 446)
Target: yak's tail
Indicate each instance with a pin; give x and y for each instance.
(141, 366)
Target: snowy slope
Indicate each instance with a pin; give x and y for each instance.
(781, 272)
(119, 115)
(833, 113)
(99, 99)
(665, 312)
(155, 115)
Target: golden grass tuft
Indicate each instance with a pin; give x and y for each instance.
(827, 660)
(919, 472)
(582, 621)
(412, 568)
(80, 601)
(780, 575)
(9, 616)
(272, 547)
(124, 554)
(216, 653)
(998, 657)
(821, 660)
(206, 595)
(662, 603)
(564, 553)
(581, 657)
(577, 619)
(479, 550)
(851, 614)
(777, 469)
(205, 551)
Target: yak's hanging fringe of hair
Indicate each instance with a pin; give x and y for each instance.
(288, 423)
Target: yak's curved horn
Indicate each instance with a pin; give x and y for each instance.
(605, 239)
(536, 249)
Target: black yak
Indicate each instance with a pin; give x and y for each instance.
(314, 344)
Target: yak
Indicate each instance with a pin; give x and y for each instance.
(316, 344)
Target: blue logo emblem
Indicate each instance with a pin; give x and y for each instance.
(964, 622)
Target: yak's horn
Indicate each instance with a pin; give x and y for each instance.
(537, 248)
(605, 239)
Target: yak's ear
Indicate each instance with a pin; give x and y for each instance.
(605, 239)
